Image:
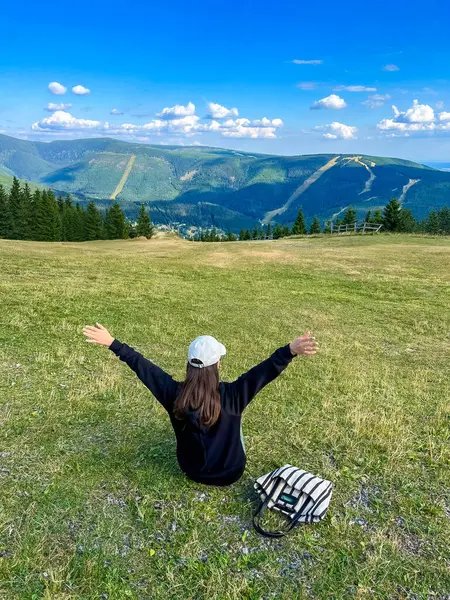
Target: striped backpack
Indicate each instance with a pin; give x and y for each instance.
(301, 496)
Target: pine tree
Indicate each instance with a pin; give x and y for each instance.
(62, 218)
(368, 216)
(255, 233)
(48, 226)
(392, 216)
(327, 228)
(277, 232)
(242, 235)
(299, 227)
(269, 231)
(286, 231)
(144, 225)
(433, 225)
(377, 217)
(115, 228)
(315, 226)
(69, 221)
(93, 223)
(231, 237)
(350, 216)
(444, 220)
(14, 201)
(34, 207)
(26, 213)
(5, 215)
(408, 223)
(79, 232)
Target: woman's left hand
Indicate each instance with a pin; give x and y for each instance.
(98, 335)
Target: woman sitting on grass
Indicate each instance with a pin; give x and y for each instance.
(206, 412)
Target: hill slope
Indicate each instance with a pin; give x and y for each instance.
(203, 186)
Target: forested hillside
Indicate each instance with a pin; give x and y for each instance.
(206, 187)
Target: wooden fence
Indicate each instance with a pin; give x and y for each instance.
(356, 228)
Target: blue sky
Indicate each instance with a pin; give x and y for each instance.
(283, 78)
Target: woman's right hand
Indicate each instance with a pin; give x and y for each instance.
(305, 344)
(98, 335)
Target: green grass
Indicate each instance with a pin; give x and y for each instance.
(92, 502)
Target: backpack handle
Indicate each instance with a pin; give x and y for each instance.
(257, 517)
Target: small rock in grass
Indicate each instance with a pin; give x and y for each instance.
(4, 470)
(157, 506)
(361, 522)
(5, 454)
(244, 551)
(119, 501)
(201, 497)
(203, 556)
(173, 526)
(6, 553)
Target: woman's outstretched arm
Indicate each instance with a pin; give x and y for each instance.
(160, 383)
(245, 388)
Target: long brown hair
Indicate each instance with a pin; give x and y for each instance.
(199, 391)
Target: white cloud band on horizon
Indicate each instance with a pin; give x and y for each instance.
(187, 125)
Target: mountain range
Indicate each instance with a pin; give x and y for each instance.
(203, 186)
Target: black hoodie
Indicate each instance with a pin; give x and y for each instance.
(213, 455)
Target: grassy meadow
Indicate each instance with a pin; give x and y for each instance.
(93, 505)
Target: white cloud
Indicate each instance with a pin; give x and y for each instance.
(440, 105)
(418, 113)
(330, 102)
(216, 111)
(307, 85)
(61, 120)
(354, 88)
(51, 107)
(177, 111)
(444, 116)
(391, 68)
(57, 88)
(307, 62)
(376, 100)
(116, 111)
(338, 131)
(80, 90)
(419, 117)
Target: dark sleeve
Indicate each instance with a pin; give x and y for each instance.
(160, 383)
(245, 388)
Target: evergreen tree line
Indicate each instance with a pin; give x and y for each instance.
(393, 217)
(42, 217)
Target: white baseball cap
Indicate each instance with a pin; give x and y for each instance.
(206, 349)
